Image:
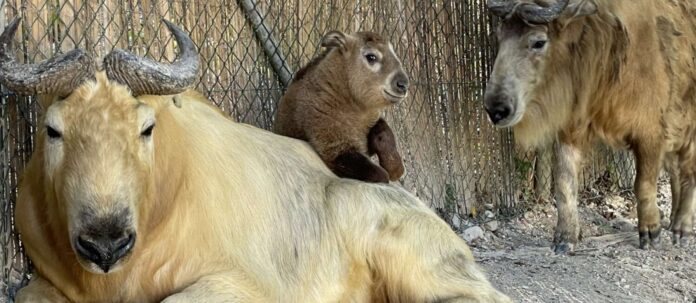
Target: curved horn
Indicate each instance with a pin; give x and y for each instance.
(147, 77)
(59, 75)
(501, 8)
(530, 12)
(541, 15)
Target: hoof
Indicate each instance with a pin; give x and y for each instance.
(680, 238)
(648, 239)
(562, 248)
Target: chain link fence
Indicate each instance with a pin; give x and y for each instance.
(455, 160)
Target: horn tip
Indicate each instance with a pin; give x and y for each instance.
(12, 26)
(9, 32)
(14, 21)
(170, 25)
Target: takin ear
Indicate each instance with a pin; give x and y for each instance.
(577, 9)
(334, 39)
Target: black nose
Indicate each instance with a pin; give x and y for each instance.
(400, 83)
(498, 105)
(499, 112)
(104, 250)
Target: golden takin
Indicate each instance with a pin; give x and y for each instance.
(139, 190)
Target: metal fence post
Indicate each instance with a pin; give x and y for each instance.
(270, 45)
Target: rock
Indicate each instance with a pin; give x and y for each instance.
(489, 214)
(622, 224)
(492, 225)
(616, 201)
(472, 233)
(456, 221)
(489, 206)
(489, 236)
(528, 215)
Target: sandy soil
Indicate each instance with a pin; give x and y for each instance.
(607, 266)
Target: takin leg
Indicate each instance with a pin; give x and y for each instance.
(682, 219)
(672, 166)
(412, 254)
(343, 152)
(218, 288)
(418, 258)
(381, 141)
(648, 160)
(568, 161)
(683, 225)
(40, 290)
(354, 165)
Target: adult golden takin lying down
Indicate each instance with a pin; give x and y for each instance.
(140, 191)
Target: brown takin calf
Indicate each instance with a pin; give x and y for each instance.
(139, 190)
(621, 71)
(335, 103)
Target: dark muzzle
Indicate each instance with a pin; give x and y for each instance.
(498, 106)
(400, 83)
(105, 241)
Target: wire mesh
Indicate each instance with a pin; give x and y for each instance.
(455, 160)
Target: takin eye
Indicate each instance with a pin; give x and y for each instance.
(52, 132)
(371, 58)
(148, 131)
(538, 45)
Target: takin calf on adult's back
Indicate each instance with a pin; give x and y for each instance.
(335, 103)
(139, 190)
(619, 71)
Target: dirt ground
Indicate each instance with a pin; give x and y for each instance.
(607, 266)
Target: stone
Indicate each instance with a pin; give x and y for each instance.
(622, 224)
(456, 221)
(472, 233)
(489, 214)
(528, 215)
(492, 225)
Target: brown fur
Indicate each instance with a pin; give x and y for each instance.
(623, 73)
(382, 142)
(335, 101)
(225, 213)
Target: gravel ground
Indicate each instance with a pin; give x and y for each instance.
(607, 266)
